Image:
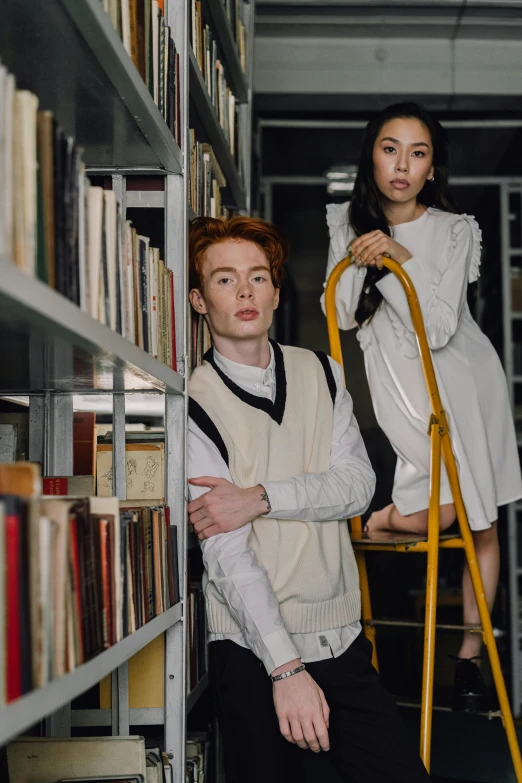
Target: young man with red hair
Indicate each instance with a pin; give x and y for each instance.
(276, 465)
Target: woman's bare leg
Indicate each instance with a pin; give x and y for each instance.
(488, 558)
(389, 518)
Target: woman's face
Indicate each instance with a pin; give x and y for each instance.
(402, 159)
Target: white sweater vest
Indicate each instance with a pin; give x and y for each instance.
(311, 565)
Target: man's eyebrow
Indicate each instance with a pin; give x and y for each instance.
(415, 143)
(221, 269)
(231, 269)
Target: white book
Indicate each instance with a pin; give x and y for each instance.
(110, 251)
(125, 25)
(25, 169)
(94, 247)
(8, 438)
(82, 238)
(131, 295)
(56, 758)
(6, 151)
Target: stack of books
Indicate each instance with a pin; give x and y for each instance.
(80, 574)
(196, 636)
(199, 748)
(237, 26)
(58, 227)
(149, 42)
(87, 760)
(213, 72)
(205, 180)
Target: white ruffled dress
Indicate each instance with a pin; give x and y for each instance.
(445, 252)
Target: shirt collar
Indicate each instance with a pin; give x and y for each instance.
(245, 375)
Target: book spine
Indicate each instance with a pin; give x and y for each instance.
(144, 286)
(13, 646)
(106, 588)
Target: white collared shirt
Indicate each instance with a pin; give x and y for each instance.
(342, 492)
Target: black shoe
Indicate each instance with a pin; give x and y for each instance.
(470, 693)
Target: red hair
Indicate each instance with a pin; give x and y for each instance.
(207, 231)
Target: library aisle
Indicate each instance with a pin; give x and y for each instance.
(120, 121)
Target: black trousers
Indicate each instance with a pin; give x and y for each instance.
(368, 741)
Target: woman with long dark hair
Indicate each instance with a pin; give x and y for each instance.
(401, 207)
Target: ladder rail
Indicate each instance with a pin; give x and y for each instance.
(440, 446)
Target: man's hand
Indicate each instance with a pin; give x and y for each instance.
(225, 507)
(304, 715)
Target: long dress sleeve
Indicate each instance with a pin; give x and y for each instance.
(441, 291)
(351, 283)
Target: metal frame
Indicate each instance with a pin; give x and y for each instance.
(120, 368)
(441, 448)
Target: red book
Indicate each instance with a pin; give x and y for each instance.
(75, 565)
(173, 323)
(13, 642)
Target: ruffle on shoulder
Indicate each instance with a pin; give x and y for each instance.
(458, 226)
(336, 216)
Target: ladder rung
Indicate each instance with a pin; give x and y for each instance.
(489, 715)
(414, 624)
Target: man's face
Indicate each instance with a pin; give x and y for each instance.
(237, 296)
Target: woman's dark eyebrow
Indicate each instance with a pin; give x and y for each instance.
(415, 144)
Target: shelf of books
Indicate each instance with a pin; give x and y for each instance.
(220, 127)
(103, 99)
(92, 356)
(120, 122)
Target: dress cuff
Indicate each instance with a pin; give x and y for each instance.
(276, 649)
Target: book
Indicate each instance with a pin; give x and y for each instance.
(144, 465)
(8, 440)
(20, 478)
(20, 423)
(24, 174)
(13, 660)
(68, 485)
(84, 444)
(61, 758)
(45, 130)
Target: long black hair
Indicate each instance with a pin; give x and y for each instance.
(367, 205)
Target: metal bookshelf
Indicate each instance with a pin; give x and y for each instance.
(36, 705)
(68, 54)
(68, 351)
(511, 238)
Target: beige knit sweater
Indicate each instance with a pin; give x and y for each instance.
(311, 565)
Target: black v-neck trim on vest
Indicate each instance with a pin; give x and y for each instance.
(276, 409)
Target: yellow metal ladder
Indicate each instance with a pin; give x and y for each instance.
(430, 544)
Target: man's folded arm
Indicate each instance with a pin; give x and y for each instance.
(346, 489)
(235, 571)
